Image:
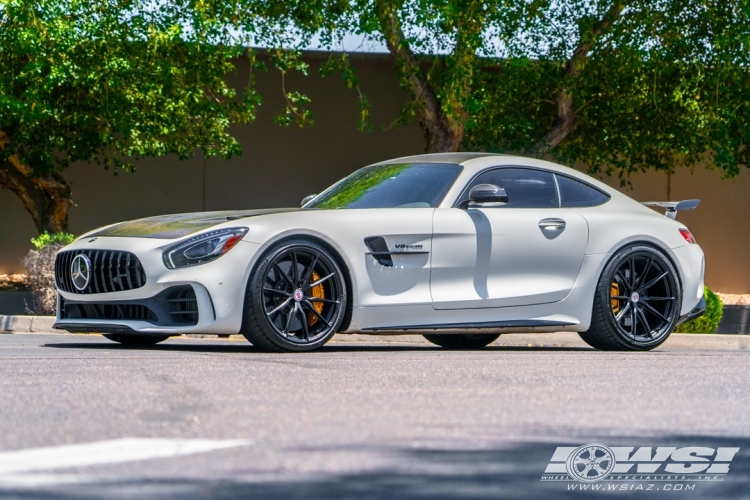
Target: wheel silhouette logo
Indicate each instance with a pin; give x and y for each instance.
(80, 272)
(591, 462)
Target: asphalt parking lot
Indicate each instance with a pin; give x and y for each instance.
(362, 418)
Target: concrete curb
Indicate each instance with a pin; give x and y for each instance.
(27, 324)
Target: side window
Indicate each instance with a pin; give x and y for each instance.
(574, 193)
(526, 188)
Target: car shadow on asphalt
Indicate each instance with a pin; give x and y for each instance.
(335, 348)
(513, 470)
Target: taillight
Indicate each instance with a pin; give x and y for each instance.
(687, 235)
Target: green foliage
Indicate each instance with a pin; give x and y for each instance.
(341, 62)
(46, 239)
(709, 321)
(659, 84)
(667, 87)
(110, 81)
(653, 83)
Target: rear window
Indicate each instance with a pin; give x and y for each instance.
(574, 193)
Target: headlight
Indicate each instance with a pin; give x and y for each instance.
(203, 248)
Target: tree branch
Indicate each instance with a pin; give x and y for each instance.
(565, 121)
(435, 127)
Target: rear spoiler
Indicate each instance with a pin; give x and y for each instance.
(673, 206)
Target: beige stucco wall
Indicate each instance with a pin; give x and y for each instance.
(281, 165)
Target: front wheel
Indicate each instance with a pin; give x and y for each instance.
(296, 299)
(135, 340)
(461, 340)
(637, 302)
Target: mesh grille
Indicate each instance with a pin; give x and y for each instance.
(108, 311)
(184, 305)
(111, 271)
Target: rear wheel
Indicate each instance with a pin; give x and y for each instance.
(637, 302)
(296, 299)
(462, 340)
(135, 340)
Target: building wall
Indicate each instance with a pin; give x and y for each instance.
(280, 165)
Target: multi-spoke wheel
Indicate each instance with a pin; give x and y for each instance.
(462, 340)
(637, 301)
(296, 299)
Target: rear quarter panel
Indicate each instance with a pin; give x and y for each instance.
(621, 223)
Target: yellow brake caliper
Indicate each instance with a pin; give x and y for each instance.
(615, 290)
(319, 293)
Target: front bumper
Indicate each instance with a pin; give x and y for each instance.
(218, 290)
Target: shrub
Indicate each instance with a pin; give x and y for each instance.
(709, 321)
(40, 270)
(45, 239)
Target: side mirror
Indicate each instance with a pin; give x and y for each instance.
(485, 194)
(307, 199)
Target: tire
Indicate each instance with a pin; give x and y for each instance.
(135, 340)
(462, 340)
(295, 300)
(636, 303)
(592, 340)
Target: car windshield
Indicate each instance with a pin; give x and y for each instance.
(396, 185)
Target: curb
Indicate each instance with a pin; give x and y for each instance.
(27, 324)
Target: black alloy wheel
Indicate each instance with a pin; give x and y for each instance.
(295, 300)
(462, 340)
(637, 301)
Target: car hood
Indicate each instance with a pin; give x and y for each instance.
(179, 225)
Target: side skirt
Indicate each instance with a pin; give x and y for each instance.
(476, 326)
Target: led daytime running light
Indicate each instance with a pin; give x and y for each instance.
(203, 248)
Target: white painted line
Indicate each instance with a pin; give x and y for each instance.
(106, 452)
(34, 480)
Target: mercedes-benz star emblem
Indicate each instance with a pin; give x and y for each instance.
(80, 272)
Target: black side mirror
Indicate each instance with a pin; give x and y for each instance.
(486, 194)
(307, 199)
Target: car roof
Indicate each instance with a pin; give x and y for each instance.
(460, 158)
(475, 162)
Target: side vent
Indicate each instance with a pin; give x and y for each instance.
(379, 250)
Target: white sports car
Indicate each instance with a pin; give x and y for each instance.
(459, 247)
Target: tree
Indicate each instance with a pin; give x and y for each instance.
(668, 86)
(108, 82)
(620, 85)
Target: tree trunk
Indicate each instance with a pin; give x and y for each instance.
(46, 197)
(563, 125)
(440, 136)
(565, 120)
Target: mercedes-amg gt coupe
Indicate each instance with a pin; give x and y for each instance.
(459, 247)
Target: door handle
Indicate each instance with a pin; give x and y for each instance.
(552, 224)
